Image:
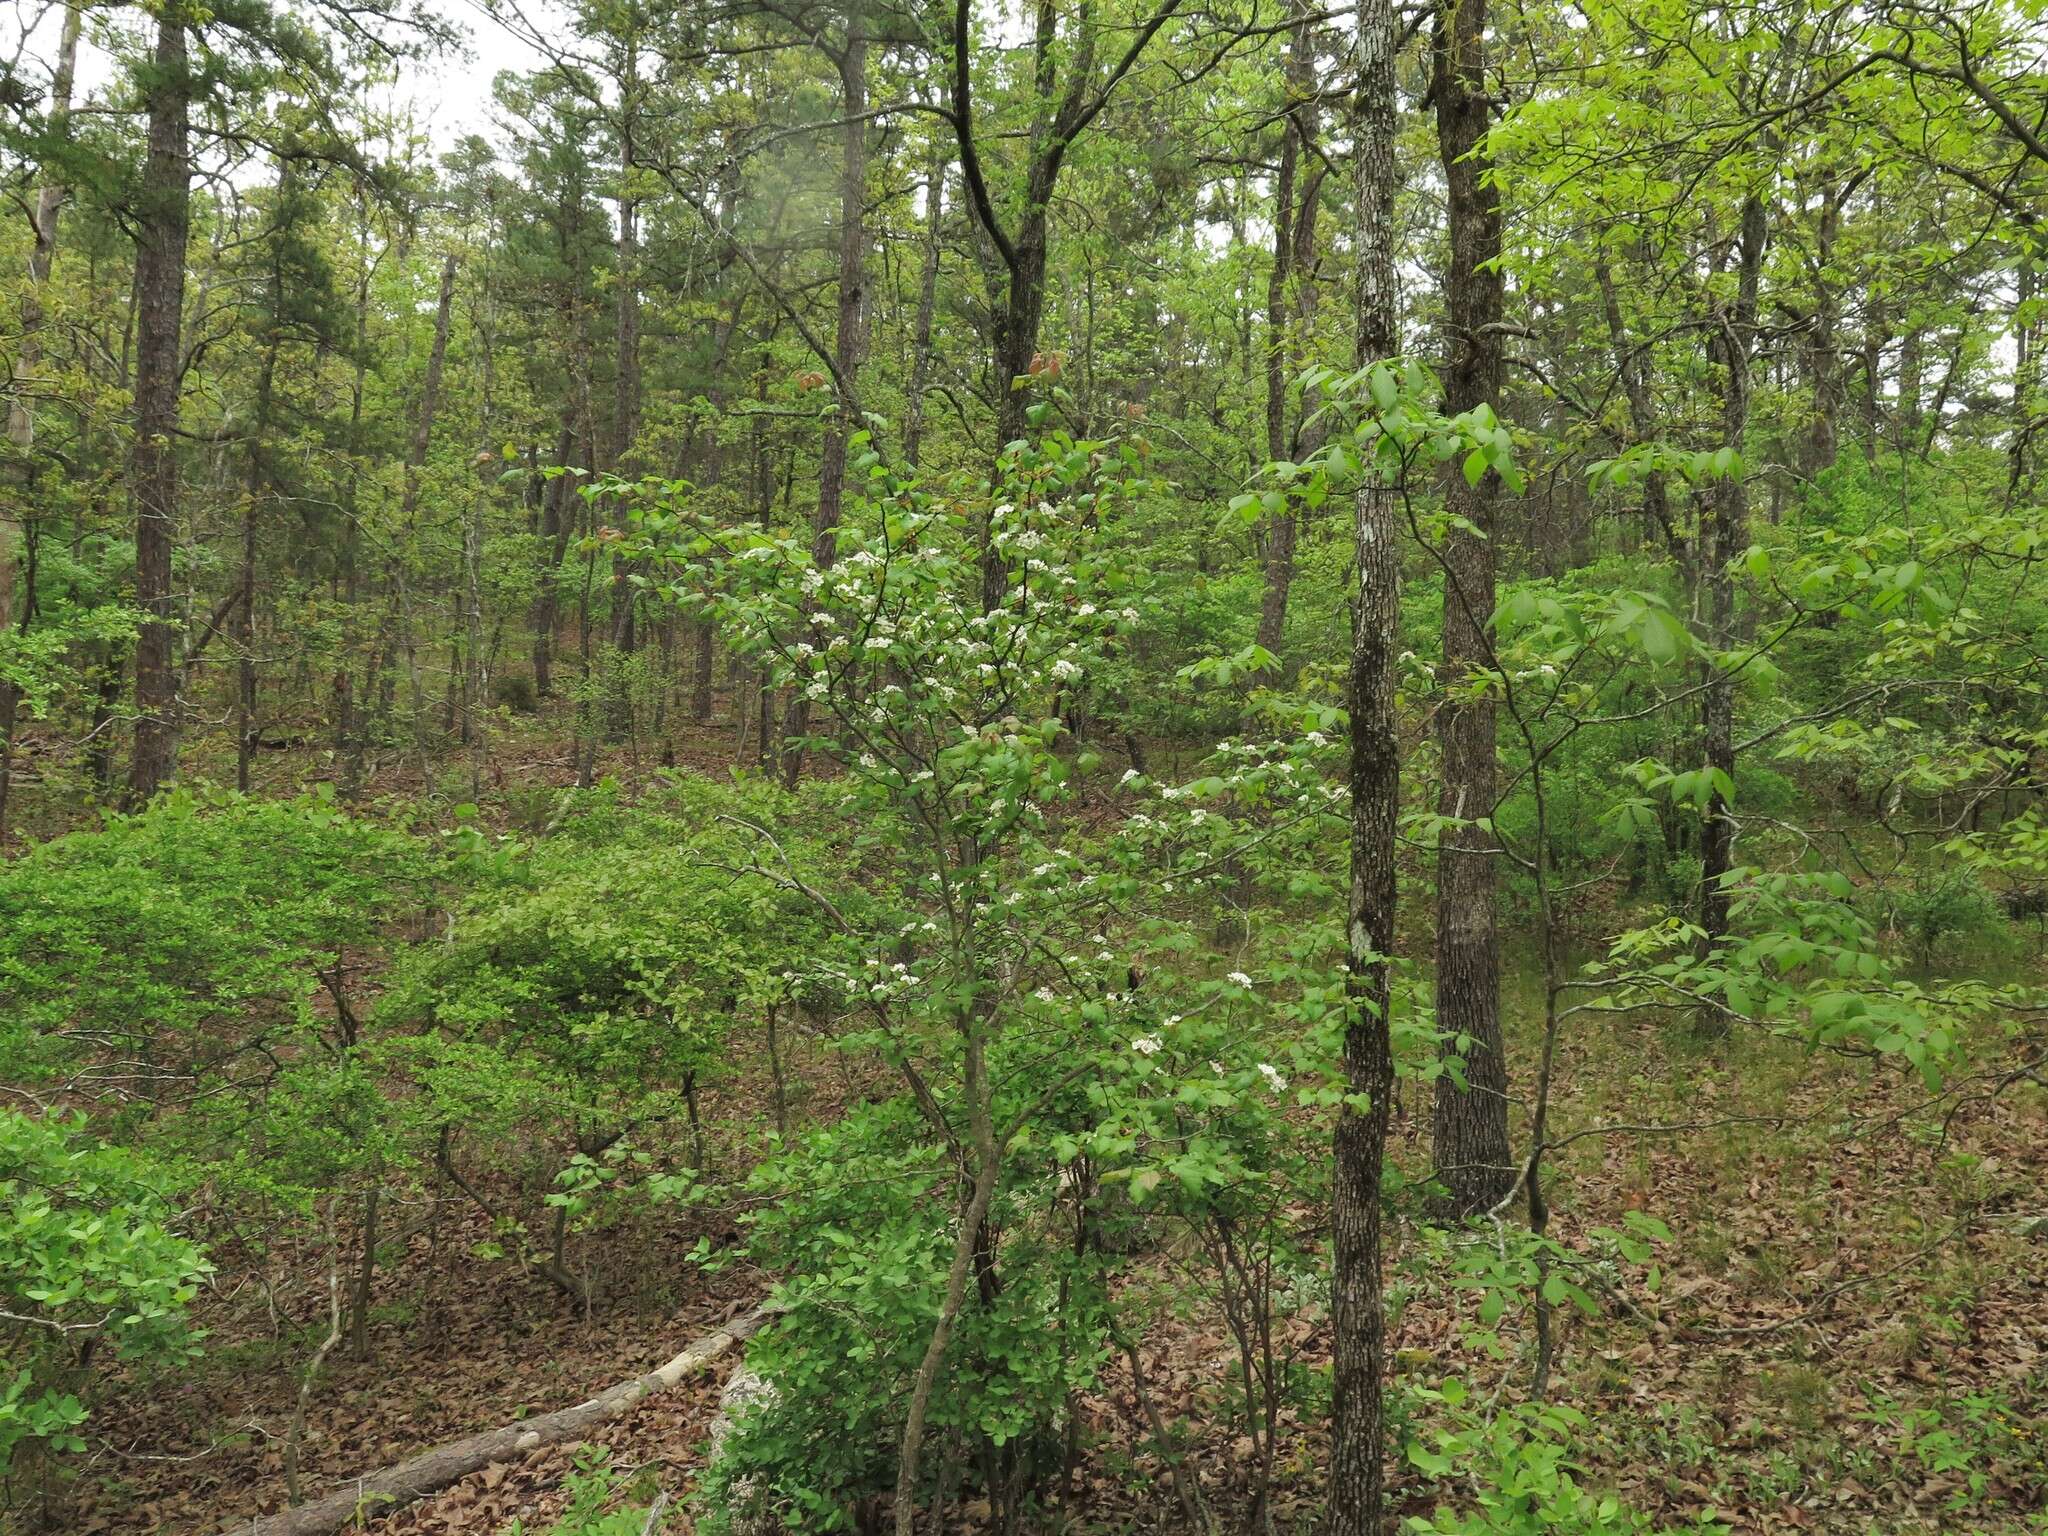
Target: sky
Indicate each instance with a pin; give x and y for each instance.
(450, 96)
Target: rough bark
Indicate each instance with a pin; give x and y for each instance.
(1469, 1123)
(388, 1489)
(21, 420)
(554, 531)
(415, 468)
(626, 402)
(1634, 373)
(1358, 1428)
(256, 487)
(163, 221)
(849, 342)
(927, 304)
(1290, 306)
(1823, 371)
(1724, 533)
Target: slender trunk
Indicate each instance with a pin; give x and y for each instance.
(348, 730)
(927, 305)
(848, 344)
(1358, 1429)
(163, 220)
(415, 466)
(1015, 350)
(21, 420)
(969, 1240)
(255, 488)
(2026, 372)
(776, 1076)
(554, 530)
(1470, 1123)
(366, 1270)
(1635, 384)
(1724, 533)
(1822, 370)
(626, 406)
(1288, 287)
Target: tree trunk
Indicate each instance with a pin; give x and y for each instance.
(626, 411)
(1724, 533)
(927, 305)
(21, 420)
(256, 487)
(554, 529)
(1358, 1429)
(848, 344)
(1290, 288)
(163, 219)
(1470, 1123)
(1822, 370)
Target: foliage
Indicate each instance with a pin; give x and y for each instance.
(89, 1262)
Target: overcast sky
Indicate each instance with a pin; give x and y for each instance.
(450, 96)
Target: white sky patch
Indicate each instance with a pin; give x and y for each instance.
(447, 97)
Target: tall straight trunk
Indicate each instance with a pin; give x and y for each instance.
(2026, 368)
(554, 529)
(927, 305)
(1633, 371)
(163, 218)
(21, 420)
(1014, 346)
(626, 404)
(255, 488)
(1358, 1428)
(348, 731)
(1724, 533)
(1912, 387)
(1469, 1124)
(1289, 299)
(415, 468)
(1822, 370)
(848, 343)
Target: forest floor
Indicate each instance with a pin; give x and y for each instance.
(1850, 1334)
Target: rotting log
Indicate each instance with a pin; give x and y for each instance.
(371, 1495)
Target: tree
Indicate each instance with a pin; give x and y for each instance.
(163, 218)
(1471, 1118)
(1358, 1306)
(21, 419)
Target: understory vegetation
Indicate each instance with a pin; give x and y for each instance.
(1185, 768)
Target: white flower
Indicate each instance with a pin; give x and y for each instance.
(1240, 978)
(1216, 1067)
(1044, 994)
(1129, 774)
(877, 643)
(1273, 1078)
(1146, 1045)
(1065, 670)
(1317, 739)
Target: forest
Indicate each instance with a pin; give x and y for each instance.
(1036, 767)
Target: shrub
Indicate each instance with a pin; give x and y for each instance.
(88, 1266)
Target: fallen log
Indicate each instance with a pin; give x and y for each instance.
(364, 1498)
